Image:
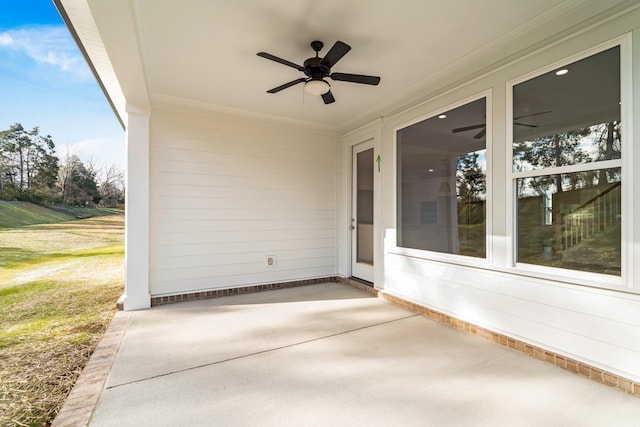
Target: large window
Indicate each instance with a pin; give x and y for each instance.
(567, 150)
(442, 182)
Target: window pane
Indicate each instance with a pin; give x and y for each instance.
(571, 118)
(571, 220)
(364, 207)
(442, 182)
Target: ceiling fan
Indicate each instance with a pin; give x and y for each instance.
(483, 126)
(317, 69)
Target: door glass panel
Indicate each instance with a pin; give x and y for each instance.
(364, 208)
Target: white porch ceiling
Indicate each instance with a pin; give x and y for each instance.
(203, 52)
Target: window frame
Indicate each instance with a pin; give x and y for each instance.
(457, 259)
(625, 163)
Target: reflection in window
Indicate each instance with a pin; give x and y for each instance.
(590, 144)
(442, 182)
(571, 217)
(574, 226)
(569, 119)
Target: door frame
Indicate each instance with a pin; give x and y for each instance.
(369, 132)
(359, 270)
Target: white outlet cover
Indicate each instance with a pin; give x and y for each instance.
(271, 261)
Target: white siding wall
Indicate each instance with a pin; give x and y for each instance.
(595, 325)
(225, 192)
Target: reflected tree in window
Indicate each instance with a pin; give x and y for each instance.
(471, 190)
(560, 149)
(470, 178)
(609, 147)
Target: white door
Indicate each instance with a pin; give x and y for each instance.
(362, 212)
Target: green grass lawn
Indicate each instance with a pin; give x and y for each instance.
(59, 283)
(19, 214)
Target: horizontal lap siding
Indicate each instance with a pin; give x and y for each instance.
(162, 253)
(596, 326)
(227, 192)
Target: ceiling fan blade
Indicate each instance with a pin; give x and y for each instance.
(328, 98)
(337, 51)
(480, 134)
(525, 124)
(534, 114)
(466, 128)
(280, 60)
(286, 85)
(356, 78)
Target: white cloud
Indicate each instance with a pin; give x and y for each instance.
(5, 39)
(49, 45)
(99, 151)
(85, 149)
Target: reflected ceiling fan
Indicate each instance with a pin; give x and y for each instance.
(483, 126)
(317, 69)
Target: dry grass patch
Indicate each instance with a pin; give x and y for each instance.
(58, 288)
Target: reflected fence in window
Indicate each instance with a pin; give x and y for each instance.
(569, 226)
(592, 217)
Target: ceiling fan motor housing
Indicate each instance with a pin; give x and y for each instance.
(314, 69)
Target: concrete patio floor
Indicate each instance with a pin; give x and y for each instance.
(332, 355)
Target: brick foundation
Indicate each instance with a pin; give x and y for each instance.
(237, 291)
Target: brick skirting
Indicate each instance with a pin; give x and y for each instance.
(571, 365)
(237, 291)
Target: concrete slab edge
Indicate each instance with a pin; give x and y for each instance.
(83, 399)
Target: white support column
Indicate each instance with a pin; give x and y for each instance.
(136, 288)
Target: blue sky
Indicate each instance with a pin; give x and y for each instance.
(45, 82)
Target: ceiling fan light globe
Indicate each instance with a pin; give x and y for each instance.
(317, 87)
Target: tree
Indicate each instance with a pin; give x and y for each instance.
(77, 183)
(28, 164)
(111, 186)
(14, 142)
(66, 172)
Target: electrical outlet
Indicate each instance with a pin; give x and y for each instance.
(271, 260)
